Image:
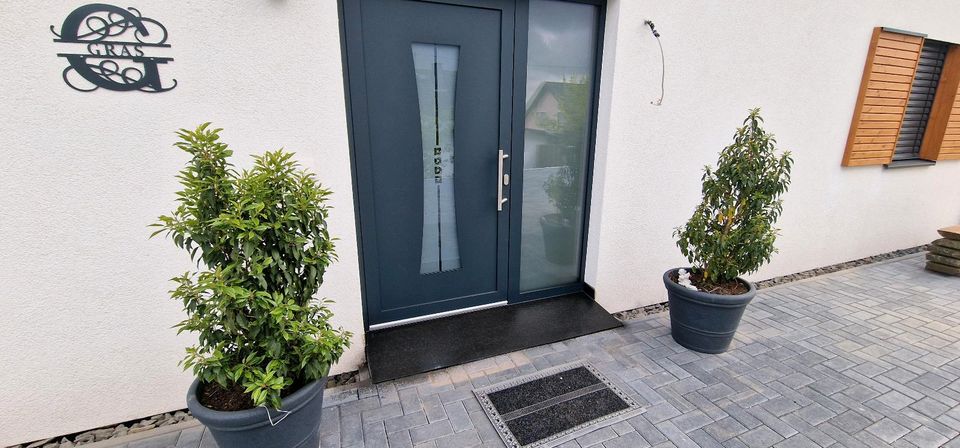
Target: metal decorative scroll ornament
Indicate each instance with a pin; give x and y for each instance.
(115, 41)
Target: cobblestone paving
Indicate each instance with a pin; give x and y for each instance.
(867, 357)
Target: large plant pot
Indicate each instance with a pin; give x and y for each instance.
(702, 321)
(251, 428)
(559, 239)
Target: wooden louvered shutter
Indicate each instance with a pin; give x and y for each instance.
(942, 138)
(884, 90)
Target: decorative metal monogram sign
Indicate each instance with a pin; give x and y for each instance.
(113, 49)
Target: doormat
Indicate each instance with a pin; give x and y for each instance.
(554, 405)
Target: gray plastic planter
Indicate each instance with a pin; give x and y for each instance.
(251, 428)
(702, 321)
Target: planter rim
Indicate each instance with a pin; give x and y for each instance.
(251, 418)
(714, 299)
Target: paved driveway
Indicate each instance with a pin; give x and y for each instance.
(866, 357)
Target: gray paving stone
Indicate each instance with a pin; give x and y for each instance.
(895, 400)
(706, 406)
(409, 400)
(162, 441)
(815, 414)
(796, 380)
(740, 414)
(597, 436)
(628, 440)
(399, 439)
(924, 436)
(351, 429)
(813, 433)
(483, 426)
(660, 412)
(382, 413)
(725, 429)
(780, 406)
(930, 407)
(387, 392)
(207, 440)
(433, 408)
(887, 430)
(702, 439)
(692, 420)
(374, 435)
(772, 422)
(734, 443)
(851, 421)
(798, 441)
(860, 393)
(458, 416)
(404, 422)
(622, 427)
(717, 391)
(340, 395)
(430, 432)
(760, 436)
(865, 357)
(675, 435)
(649, 432)
(190, 438)
(455, 395)
(464, 439)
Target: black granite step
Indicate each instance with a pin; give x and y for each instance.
(434, 344)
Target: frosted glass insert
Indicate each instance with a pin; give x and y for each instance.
(436, 70)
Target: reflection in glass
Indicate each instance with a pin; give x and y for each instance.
(436, 72)
(560, 67)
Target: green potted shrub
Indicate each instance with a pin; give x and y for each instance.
(259, 237)
(731, 233)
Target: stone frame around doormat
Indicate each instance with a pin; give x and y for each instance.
(500, 425)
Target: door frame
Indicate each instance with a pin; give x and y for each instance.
(519, 120)
(516, 151)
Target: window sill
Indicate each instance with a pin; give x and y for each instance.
(910, 163)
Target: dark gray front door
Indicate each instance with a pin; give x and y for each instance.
(430, 86)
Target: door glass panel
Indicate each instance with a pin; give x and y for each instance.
(436, 72)
(560, 66)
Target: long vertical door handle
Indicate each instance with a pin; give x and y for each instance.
(502, 179)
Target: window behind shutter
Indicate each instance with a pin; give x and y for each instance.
(920, 101)
(884, 92)
(942, 138)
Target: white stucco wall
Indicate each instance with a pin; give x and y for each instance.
(85, 319)
(802, 62)
(84, 315)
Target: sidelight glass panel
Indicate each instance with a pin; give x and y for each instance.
(560, 69)
(436, 73)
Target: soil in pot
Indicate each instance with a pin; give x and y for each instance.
(233, 398)
(731, 288)
(215, 396)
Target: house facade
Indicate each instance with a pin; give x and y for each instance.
(481, 153)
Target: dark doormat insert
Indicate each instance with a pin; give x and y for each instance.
(448, 341)
(554, 405)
